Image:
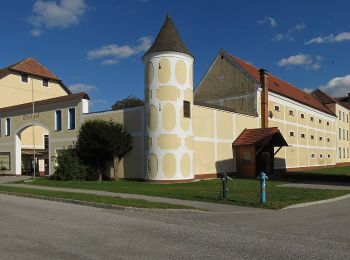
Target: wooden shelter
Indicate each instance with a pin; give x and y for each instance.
(255, 150)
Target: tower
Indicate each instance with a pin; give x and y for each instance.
(168, 104)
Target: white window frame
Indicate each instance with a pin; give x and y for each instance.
(20, 78)
(48, 83)
(56, 129)
(75, 118)
(8, 126)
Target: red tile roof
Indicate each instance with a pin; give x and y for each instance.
(260, 136)
(31, 66)
(283, 88)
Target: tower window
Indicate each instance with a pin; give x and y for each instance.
(187, 109)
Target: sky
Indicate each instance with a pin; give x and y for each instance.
(96, 46)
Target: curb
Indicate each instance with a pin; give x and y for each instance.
(95, 204)
(307, 204)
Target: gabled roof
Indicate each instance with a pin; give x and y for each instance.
(33, 67)
(168, 39)
(323, 97)
(281, 87)
(55, 100)
(261, 136)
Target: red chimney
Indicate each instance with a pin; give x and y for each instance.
(264, 98)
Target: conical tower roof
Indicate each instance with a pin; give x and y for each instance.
(168, 39)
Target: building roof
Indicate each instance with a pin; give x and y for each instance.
(72, 97)
(283, 88)
(260, 136)
(33, 67)
(168, 39)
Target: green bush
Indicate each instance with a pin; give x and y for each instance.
(70, 167)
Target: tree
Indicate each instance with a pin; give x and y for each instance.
(100, 141)
(69, 166)
(129, 101)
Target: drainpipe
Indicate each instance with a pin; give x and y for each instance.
(264, 98)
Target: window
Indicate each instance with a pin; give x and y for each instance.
(343, 152)
(302, 136)
(7, 126)
(71, 118)
(339, 115)
(312, 155)
(58, 120)
(312, 119)
(320, 121)
(343, 116)
(321, 155)
(45, 82)
(343, 134)
(46, 141)
(5, 160)
(320, 138)
(291, 112)
(302, 116)
(327, 123)
(347, 118)
(328, 140)
(339, 152)
(312, 137)
(24, 78)
(291, 133)
(329, 156)
(339, 133)
(348, 152)
(277, 108)
(187, 109)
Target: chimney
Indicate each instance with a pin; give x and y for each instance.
(264, 98)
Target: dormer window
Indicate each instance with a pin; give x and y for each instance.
(291, 112)
(24, 78)
(45, 82)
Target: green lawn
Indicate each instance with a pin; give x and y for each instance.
(332, 171)
(136, 203)
(241, 192)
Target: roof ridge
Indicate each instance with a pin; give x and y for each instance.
(249, 68)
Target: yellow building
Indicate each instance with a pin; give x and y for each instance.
(238, 118)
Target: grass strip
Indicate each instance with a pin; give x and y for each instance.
(242, 192)
(108, 200)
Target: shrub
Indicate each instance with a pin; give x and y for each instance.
(70, 167)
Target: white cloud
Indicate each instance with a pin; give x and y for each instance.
(304, 60)
(337, 87)
(268, 20)
(345, 36)
(288, 35)
(54, 14)
(81, 87)
(112, 53)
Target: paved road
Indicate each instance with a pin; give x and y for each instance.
(37, 229)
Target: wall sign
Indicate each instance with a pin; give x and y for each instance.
(31, 116)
